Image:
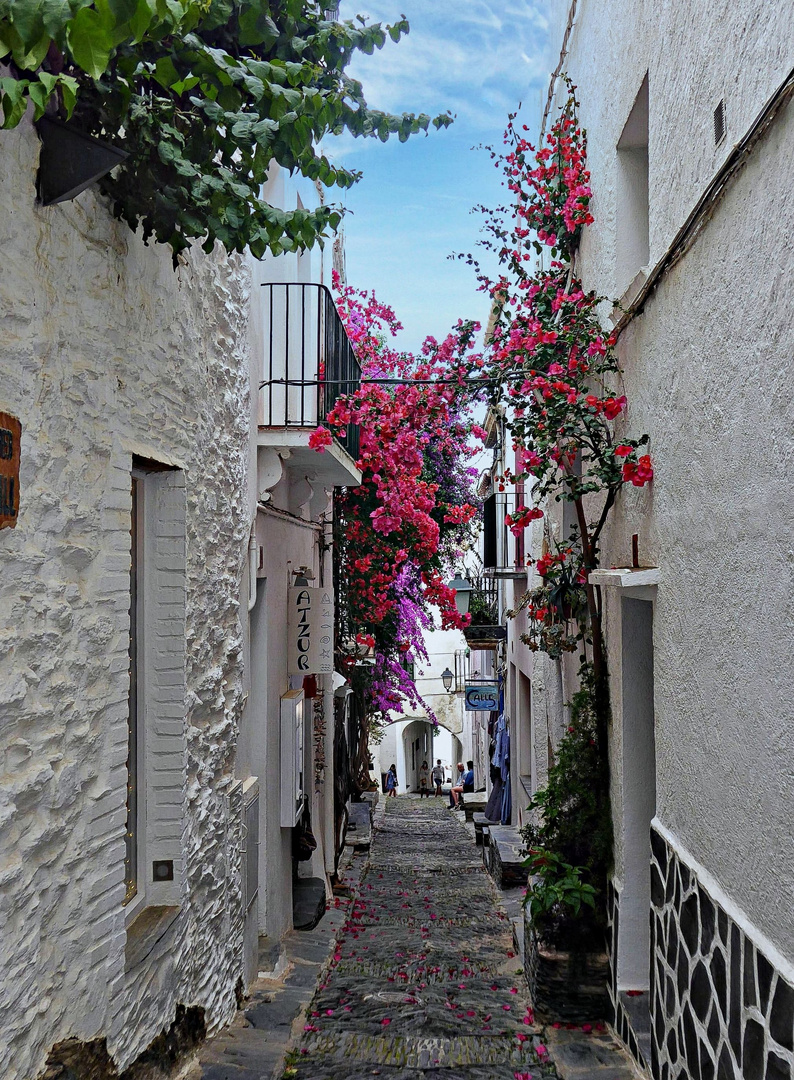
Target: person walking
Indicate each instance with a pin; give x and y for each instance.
(424, 780)
(438, 776)
(391, 782)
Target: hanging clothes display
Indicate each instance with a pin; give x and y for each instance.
(493, 809)
(507, 798)
(500, 804)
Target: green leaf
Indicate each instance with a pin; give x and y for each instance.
(142, 19)
(39, 95)
(14, 100)
(90, 41)
(55, 14)
(35, 54)
(165, 72)
(69, 87)
(123, 10)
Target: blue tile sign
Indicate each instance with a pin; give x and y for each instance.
(482, 698)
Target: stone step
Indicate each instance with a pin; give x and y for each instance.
(474, 802)
(505, 857)
(482, 826)
(359, 824)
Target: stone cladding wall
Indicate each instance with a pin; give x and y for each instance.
(107, 352)
(618, 1017)
(720, 1008)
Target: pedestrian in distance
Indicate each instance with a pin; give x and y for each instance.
(391, 782)
(438, 776)
(424, 780)
(455, 800)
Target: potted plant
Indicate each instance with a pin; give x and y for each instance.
(569, 852)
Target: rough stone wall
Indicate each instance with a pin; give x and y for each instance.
(707, 374)
(106, 351)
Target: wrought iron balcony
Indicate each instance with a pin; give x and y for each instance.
(308, 360)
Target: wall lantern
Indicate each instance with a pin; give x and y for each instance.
(463, 591)
(447, 679)
(70, 161)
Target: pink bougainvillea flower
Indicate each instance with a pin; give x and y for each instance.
(622, 451)
(385, 1021)
(320, 438)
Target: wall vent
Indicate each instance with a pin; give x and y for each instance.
(719, 123)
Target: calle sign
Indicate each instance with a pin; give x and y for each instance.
(482, 698)
(310, 629)
(10, 437)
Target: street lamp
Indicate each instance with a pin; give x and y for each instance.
(447, 679)
(463, 591)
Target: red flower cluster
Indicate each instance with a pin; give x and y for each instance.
(638, 473)
(523, 515)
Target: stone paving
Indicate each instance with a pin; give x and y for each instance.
(424, 982)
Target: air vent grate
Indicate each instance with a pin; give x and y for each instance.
(719, 123)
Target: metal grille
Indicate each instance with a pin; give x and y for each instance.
(309, 361)
(719, 123)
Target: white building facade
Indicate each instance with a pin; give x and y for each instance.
(411, 737)
(690, 138)
(152, 524)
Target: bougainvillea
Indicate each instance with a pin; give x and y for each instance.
(551, 362)
(398, 533)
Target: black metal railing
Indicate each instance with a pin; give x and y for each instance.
(309, 361)
(484, 601)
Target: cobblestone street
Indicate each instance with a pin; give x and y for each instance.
(425, 981)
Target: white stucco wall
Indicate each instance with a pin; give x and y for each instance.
(107, 351)
(707, 375)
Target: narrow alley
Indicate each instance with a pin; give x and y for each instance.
(425, 982)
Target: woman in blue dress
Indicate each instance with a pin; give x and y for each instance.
(391, 781)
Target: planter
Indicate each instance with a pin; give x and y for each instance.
(483, 637)
(566, 986)
(70, 160)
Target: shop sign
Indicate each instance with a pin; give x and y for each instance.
(310, 627)
(10, 436)
(482, 698)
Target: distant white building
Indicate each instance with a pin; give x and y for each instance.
(412, 737)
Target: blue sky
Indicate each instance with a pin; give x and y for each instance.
(479, 59)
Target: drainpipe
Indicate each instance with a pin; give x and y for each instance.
(252, 549)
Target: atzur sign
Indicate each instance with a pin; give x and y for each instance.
(482, 698)
(311, 631)
(10, 434)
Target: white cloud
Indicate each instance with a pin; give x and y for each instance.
(479, 59)
(468, 56)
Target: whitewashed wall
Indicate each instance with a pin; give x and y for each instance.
(707, 374)
(107, 351)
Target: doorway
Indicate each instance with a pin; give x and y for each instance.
(639, 808)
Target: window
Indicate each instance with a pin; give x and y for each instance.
(633, 224)
(489, 531)
(135, 735)
(156, 746)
